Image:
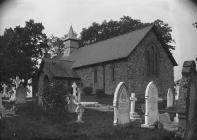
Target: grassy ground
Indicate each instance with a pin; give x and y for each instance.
(32, 123)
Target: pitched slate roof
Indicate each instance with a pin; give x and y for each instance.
(61, 69)
(111, 49)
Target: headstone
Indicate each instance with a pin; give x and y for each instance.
(121, 105)
(17, 81)
(1, 105)
(177, 92)
(151, 105)
(4, 90)
(21, 93)
(176, 118)
(133, 115)
(75, 102)
(74, 86)
(170, 98)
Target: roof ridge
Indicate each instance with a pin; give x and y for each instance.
(150, 26)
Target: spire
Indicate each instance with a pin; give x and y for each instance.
(71, 34)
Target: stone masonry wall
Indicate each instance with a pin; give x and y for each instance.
(132, 71)
(137, 71)
(120, 74)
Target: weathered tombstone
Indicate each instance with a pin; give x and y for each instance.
(21, 93)
(187, 102)
(1, 105)
(4, 90)
(74, 104)
(80, 107)
(71, 105)
(133, 115)
(121, 105)
(176, 118)
(151, 105)
(17, 81)
(170, 98)
(74, 86)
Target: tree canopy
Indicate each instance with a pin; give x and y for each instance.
(98, 32)
(56, 45)
(21, 48)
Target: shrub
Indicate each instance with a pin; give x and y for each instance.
(54, 99)
(87, 90)
(100, 93)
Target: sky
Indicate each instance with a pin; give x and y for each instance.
(58, 15)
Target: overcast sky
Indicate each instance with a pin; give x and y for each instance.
(58, 15)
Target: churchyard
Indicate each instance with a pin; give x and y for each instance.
(121, 116)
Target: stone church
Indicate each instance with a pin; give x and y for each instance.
(136, 58)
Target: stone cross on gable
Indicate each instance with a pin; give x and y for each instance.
(17, 81)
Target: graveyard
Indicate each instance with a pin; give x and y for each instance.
(119, 116)
(115, 80)
(33, 123)
(114, 117)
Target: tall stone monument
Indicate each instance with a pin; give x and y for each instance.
(187, 102)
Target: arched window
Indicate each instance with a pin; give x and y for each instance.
(95, 75)
(112, 72)
(152, 61)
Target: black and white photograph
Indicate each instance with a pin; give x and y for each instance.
(98, 69)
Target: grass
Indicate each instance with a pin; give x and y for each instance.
(33, 123)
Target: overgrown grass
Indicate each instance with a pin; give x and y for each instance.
(33, 123)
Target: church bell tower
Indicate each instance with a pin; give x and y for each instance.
(71, 42)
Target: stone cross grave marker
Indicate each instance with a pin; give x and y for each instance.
(170, 98)
(76, 103)
(151, 105)
(4, 89)
(17, 81)
(74, 86)
(121, 105)
(133, 115)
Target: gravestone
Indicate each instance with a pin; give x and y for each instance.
(17, 81)
(121, 105)
(71, 105)
(4, 90)
(1, 105)
(170, 98)
(187, 102)
(21, 94)
(133, 115)
(74, 104)
(151, 105)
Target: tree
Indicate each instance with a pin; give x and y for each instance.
(21, 49)
(98, 32)
(56, 45)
